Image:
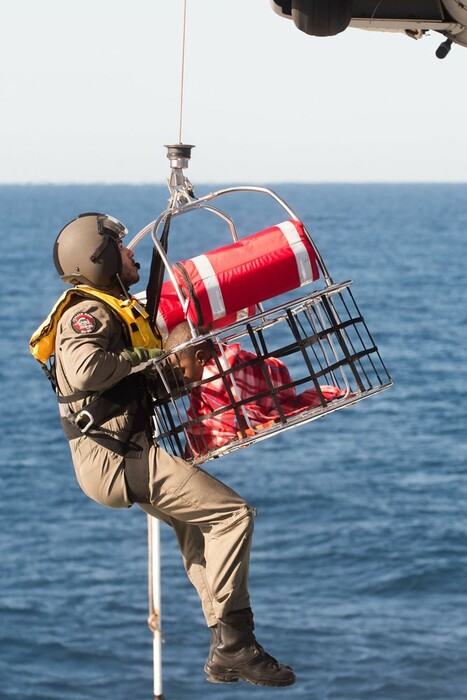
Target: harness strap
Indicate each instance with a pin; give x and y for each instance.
(102, 437)
(156, 275)
(77, 396)
(88, 421)
(192, 293)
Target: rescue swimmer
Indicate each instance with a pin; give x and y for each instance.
(98, 349)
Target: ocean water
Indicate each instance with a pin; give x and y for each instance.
(359, 564)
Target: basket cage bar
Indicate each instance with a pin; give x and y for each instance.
(320, 337)
(179, 208)
(319, 341)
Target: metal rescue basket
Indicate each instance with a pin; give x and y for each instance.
(278, 357)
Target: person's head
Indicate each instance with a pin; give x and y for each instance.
(191, 360)
(89, 250)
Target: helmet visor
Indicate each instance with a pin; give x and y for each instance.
(110, 229)
(114, 226)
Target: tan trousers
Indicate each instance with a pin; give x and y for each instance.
(212, 523)
(213, 526)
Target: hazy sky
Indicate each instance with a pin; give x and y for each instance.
(90, 93)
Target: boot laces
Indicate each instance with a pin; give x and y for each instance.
(272, 662)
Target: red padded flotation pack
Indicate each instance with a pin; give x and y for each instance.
(170, 312)
(231, 280)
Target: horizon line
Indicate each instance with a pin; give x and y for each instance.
(147, 183)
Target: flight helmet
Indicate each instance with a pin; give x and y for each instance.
(86, 250)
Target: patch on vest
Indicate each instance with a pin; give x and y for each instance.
(83, 323)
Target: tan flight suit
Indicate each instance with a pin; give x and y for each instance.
(212, 523)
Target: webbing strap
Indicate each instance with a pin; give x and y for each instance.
(103, 438)
(191, 292)
(156, 275)
(76, 396)
(88, 421)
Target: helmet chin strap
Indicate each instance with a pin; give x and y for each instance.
(123, 287)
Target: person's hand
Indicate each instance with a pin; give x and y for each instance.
(141, 358)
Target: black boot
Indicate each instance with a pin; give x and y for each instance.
(214, 644)
(236, 655)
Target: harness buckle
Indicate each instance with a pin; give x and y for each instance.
(89, 418)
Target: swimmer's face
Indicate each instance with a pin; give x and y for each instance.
(190, 366)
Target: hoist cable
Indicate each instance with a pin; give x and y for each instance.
(182, 76)
(156, 274)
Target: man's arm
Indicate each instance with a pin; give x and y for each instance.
(90, 346)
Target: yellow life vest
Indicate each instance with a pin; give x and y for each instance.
(133, 315)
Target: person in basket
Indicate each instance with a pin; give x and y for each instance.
(239, 382)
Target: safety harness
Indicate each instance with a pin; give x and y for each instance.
(107, 404)
(102, 408)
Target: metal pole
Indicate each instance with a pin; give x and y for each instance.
(154, 585)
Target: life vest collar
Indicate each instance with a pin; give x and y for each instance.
(129, 311)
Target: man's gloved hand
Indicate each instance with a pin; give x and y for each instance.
(141, 358)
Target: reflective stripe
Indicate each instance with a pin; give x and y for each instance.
(210, 281)
(305, 271)
(244, 313)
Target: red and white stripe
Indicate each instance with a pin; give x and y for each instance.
(234, 278)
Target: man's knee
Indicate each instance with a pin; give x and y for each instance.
(241, 520)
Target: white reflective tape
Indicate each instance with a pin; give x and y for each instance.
(305, 271)
(209, 278)
(242, 314)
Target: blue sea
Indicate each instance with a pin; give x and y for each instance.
(359, 563)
